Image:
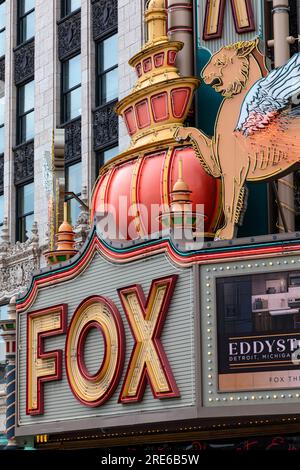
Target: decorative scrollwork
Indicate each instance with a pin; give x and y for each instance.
(105, 126)
(73, 140)
(2, 69)
(69, 36)
(24, 62)
(105, 17)
(24, 162)
(19, 262)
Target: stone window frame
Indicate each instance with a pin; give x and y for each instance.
(19, 134)
(20, 18)
(65, 9)
(100, 157)
(2, 30)
(101, 73)
(70, 198)
(65, 92)
(19, 236)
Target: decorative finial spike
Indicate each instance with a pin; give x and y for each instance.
(180, 169)
(156, 18)
(65, 212)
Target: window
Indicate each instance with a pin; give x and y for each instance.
(2, 102)
(68, 6)
(25, 20)
(2, 28)
(73, 183)
(107, 70)
(25, 110)
(1, 209)
(25, 208)
(104, 156)
(71, 77)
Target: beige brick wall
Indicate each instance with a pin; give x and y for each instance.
(47, 80)
(130, 32)
(87, 96)
(10, 118)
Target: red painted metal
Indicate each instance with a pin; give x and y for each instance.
(151, 183)
(143, 114)
(130, 120)
(159, 106)
(180, 98)
(159, 59)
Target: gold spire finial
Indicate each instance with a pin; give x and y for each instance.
(161, 98)
(156, 19)
(180, 169)
(65, 212)
(181, 193)
(65, 245)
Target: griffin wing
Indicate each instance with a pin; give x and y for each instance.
(269, 96)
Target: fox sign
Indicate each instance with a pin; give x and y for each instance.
(97, 339)
(148, 359)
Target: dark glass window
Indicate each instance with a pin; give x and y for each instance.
(107, 70)
(71, 88)
(104, 156)
(2, 102)
(68, 6)
(1, 209)
(73, 183)
(25, 211)
(25, 112)
(2, 27)
(25, 20)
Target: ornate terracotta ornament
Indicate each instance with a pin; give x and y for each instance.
(257, 132)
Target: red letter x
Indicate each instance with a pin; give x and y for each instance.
(148, 359)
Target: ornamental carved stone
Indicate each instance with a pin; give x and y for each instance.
(105, 17)
(24, 162)
(2, 69)
(73, 141)
(17, 264)
(24, 62)
(1, 172)
(106, 129)
(69, 36)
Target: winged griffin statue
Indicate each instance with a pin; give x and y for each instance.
(257, 131)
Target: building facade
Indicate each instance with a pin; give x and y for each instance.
(63, 68)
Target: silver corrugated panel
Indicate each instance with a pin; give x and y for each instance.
(229, 35)
(103, 278)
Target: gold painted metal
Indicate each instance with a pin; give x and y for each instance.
(39, 367)
(234, 157)
(65, 245)
(242, 15)
(134, 197)
(157, 135)
(85, 389)
(145, 352)
(213, 17)
(161, 79)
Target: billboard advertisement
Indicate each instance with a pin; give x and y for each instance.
(258, 331)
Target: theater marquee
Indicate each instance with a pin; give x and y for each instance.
(115, 339)
(104, 344)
